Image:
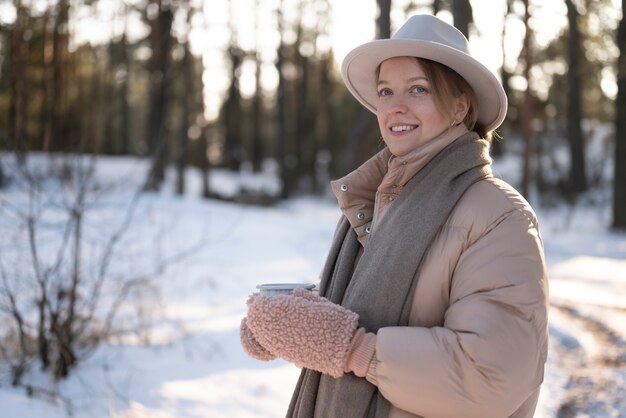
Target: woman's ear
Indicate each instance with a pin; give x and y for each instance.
(461, 108)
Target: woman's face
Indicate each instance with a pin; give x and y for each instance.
(406, 111)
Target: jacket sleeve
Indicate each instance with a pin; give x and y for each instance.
(488, 356)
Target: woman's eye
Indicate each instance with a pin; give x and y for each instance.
(384, 92)
(419, 90)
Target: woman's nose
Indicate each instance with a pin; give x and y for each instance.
(396, 105)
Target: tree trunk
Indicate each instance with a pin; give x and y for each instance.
(205, 166)
(232, 113)
(256, 149)
(383, 21)
(160, 44)
(99, 102)
(437, 6)
(303, 112)
(322, 126)
(60, 41)
(124, 107)
(45, 131)
(366, 121)
(186, 117)
(577, 175)
(526, 113)
(619, 180)
(18, 100)
(505, 76)
(257, 120)
(462, 13)
(283, 130)
(183, 134)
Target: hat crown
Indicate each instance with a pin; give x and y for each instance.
(427, 28)
(427, 37)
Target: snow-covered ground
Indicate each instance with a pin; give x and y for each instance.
(190, 363)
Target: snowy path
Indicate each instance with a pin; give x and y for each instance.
(595, 357)
(588, 337)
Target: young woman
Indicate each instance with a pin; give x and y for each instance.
(433, 300)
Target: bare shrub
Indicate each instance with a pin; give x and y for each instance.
(60, 293)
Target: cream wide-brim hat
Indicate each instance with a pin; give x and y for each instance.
(425, 36)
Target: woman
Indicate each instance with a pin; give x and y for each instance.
(433, 299)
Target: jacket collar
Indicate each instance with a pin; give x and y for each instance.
(384, 174)
(402, 169)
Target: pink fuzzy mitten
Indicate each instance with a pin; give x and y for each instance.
(251, 346)
(303, 328)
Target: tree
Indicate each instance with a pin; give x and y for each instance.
(120, 113)
(186, 99)
(437, 6)
(18, 51)
(320, 147)
(577, 173)
(619, 180)
(161, 16)
(462, 13)
(124, 106)
(60, 74)
(310, 91)
(304, 111)
(283, 135)
(505, 76)
(256, 148)
(45, 127)
(526, 113)
(232, 112)
(365, 126)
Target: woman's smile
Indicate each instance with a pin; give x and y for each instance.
(402, 129)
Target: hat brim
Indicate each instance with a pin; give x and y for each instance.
(359, 74)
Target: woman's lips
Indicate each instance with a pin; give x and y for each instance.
(401, 129)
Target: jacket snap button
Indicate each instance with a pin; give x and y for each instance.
(360, 216)
(368, 230)
(344, 187)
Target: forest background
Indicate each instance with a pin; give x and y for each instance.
(252, 88)
(254, 85)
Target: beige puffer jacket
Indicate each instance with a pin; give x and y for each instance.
(477, 340)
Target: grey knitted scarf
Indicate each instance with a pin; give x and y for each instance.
(380, 287)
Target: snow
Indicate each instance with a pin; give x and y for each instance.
(186, 361)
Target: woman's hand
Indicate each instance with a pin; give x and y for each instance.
(302, 328)
(251, 346)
